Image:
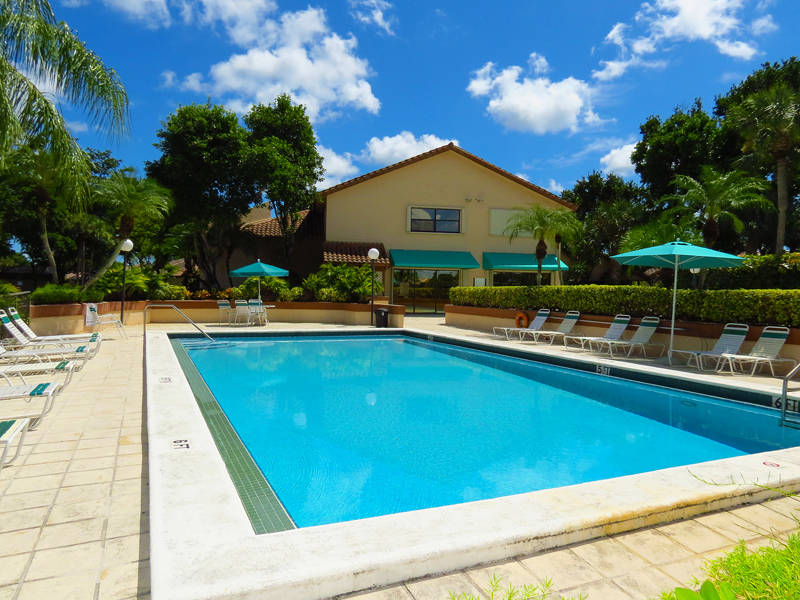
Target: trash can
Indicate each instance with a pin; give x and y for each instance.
(381, 317)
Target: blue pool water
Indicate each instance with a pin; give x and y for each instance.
(351, 427)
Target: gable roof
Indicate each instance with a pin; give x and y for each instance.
(270, 227)
(451, 147)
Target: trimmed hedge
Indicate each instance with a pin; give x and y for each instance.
(754, 307)
(759, 272)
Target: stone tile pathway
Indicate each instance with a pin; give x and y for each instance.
(74, 510)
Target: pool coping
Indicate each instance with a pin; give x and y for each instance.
(203, 544)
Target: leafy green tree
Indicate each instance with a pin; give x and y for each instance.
(543, 223)
(769, 122)
(128, 199)
(204, 164)
(35, 47)
(716, 197)
(283, 156)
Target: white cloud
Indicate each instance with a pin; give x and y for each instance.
(392, 149)
(618, 160)
(555, 187)
(168, 78)
(763, 25)
(741, 50)
(74, 3)
(538, 63)
(536, 105)
(338, 167)
(523, 176)
(193, 82)
(373, 12)
(77, 126)
(245, 21)
(153, 13)
(617, 35)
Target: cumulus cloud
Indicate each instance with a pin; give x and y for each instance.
(763, 25)
(392, 149)
(373, 12)
(554, 186)
(618, 160)
(338, 167)
(537, 105)
(153, 13)
(538, 63)
(245, 21)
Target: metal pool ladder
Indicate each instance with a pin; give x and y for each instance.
(180, 312)
(791, 420)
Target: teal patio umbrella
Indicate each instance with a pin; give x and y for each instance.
(678, 255)
(259, 269)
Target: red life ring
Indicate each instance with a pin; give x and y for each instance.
(522, 320)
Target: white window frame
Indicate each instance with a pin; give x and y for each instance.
(461, 223)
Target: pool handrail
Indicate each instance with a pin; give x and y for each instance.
(180, 312)
(785, 399)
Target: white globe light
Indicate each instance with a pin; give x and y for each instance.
(127, 246)
(374, 254)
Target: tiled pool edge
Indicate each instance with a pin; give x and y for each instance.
(203, 545)
(265, 511)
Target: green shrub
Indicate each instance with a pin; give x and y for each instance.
(769, 271)
(65, 294)
(272, 288)
(768, 307)
(342, 283)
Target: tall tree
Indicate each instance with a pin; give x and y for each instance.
(35, 48)
(204, 164)
(769, 122)
(284, 159)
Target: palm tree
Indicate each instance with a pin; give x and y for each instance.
(769, 122)
(543, 222)
(130, 199)
(715, 196)
(36, 52)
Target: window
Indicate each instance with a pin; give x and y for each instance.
(436, 220)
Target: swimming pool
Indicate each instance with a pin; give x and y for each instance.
(348, 427)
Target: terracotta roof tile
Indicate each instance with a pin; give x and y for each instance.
(353, 253)
(462, 152)
(270, 227)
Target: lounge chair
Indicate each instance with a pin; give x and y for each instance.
(641, 339)
(567, 324)
(728, 343)
(67, 367)
(48, 353)
(73, 338)
(613, 333)
(224, 311)
(27, 392)
(92, 319)
(535, 325)
(764, 352)
(9, 430)
(22, 341)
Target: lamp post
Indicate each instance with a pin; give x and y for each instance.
(126, 247)
(373, 255)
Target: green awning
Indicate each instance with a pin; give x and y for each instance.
(515, 261)
(433, 259)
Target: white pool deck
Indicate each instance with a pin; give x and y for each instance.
(75, 515)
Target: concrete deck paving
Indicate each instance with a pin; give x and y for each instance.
(74, 508)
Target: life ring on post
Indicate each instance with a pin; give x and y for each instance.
(522, 320)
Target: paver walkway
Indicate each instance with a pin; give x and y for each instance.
(74, 510)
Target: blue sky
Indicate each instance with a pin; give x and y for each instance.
(547, 90)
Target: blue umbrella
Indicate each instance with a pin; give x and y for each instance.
(678, 255)
(259, 269)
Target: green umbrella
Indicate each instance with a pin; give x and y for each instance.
(259, 269)
(678, 255)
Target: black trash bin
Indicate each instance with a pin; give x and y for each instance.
(381, 317)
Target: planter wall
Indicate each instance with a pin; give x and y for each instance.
(689, 335)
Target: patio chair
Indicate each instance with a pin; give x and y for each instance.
(67, 367)
(764, 352)
(9, 430)
(93, 319)
(21, 341)
(46, 391)
(729, 342)
(76, 338)
(242, 311)
(567, 324)
(613, 333)
(225, 311)
(535, 324)
(256, 312)
(51, 353)
(640, 339)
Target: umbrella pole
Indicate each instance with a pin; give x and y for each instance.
(259, 288)
(674, 299)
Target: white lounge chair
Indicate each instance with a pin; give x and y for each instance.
(28, 392)
(764, 352)
(73, 338)
(22, 341)
(65, 367)
(9, 430)
(543, 335)
(93, 319)
(613, 333)
(729, 342)
(48, 353)
(641, 339)
(535, 325)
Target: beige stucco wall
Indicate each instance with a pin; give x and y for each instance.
(377, 210)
